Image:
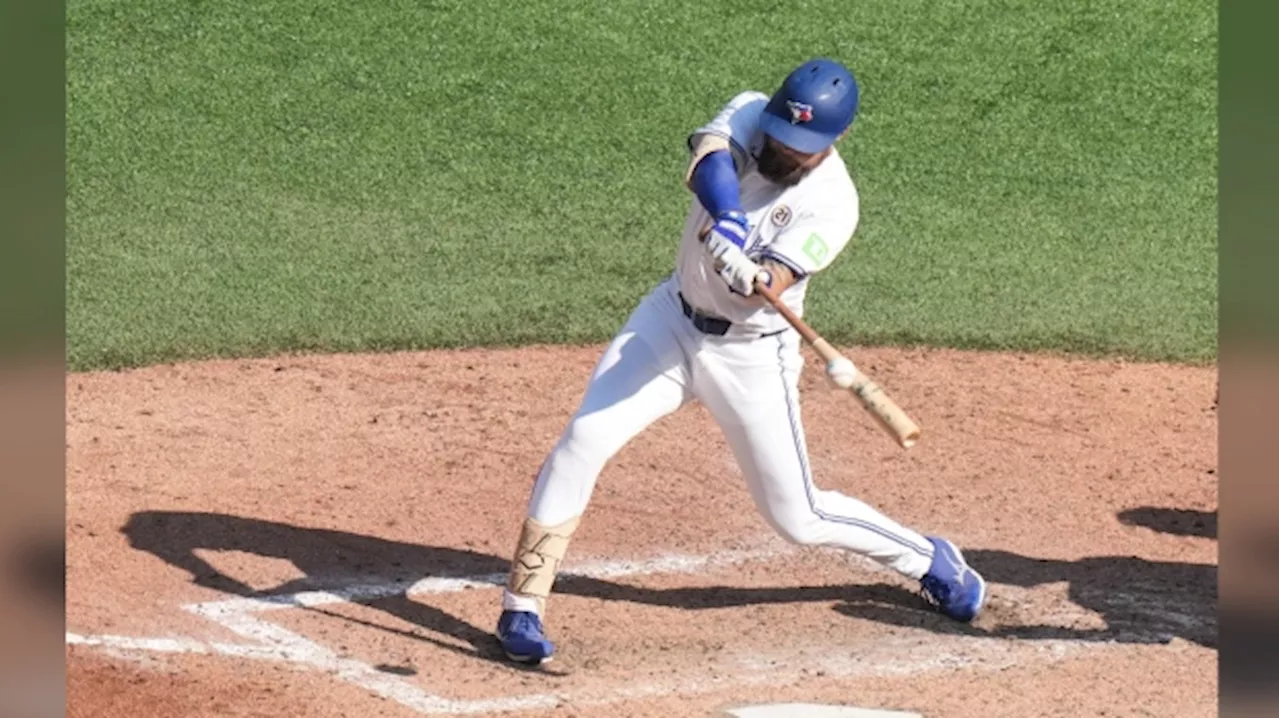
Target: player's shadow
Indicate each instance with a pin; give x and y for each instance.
(328, 560)
(335, 560)
(1137, 600)
(1179, 522)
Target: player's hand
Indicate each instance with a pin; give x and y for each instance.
(741, 277)
(731, 226)
(737, 269)
(724, 241)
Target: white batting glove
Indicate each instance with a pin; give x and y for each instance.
(733, 266)
(742, 279)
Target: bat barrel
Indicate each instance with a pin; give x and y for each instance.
(890, 417)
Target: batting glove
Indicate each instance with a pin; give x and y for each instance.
(724, 241)
(734, 267)
(731, 225)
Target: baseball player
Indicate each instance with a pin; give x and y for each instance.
(773, 203)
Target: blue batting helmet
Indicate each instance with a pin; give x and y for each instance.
(813, 106)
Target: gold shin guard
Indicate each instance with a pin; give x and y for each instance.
(538, 557)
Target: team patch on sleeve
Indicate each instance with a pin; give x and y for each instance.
(815, 248)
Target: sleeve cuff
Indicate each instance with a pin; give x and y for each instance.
(796, 269)
(737, 150)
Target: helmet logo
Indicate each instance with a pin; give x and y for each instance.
(800, 112)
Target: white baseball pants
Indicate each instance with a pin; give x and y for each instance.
(657, 363)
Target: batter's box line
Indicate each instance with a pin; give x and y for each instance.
(356, 593)
(303, 651)
(174, 644)
(273, 643)
(270, 641)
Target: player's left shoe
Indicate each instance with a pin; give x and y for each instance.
(522, 637)
(951, 585)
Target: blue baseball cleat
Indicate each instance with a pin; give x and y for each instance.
(951, 585)
(522, 639)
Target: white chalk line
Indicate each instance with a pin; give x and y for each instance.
(304, 651)
(670, 564)
(241, 616)
(289, 647)
(174, 645)
(237, 615)
(886, 657)
(273, 642)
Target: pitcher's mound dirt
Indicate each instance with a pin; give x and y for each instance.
(319, 536)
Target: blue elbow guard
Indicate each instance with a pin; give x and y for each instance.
(715, 183)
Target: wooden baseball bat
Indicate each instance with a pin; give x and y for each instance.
(890, 417)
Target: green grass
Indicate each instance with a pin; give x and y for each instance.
(247, 178)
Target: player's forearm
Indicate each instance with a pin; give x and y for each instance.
(715, 183)
(780, 276)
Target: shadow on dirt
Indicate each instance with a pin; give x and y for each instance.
(1141, 601)
(331, 560)
(1179, 522)
(328, 560)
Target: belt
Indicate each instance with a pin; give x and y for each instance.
(708, 324)
(705, 323)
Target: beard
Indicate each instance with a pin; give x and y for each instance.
(778, 168)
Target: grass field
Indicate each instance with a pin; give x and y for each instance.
(246, 178)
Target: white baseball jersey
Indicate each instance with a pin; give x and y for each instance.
(803, 227)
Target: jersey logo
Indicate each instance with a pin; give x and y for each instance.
(800, 112)
(815, 248)
(781, 216)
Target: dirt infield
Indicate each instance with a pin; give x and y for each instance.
(321, 536)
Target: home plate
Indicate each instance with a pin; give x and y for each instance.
(812, 710)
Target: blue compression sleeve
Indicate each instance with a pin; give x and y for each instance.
(715, 183)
